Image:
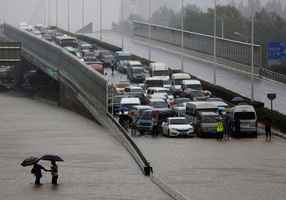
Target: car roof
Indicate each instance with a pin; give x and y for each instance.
(130, 100)
(207, 113)
(170, 118)
(207, 104)
(158, 88)
(134, 62)
(179, 75)
(191, 82)
(157, 100)
(243, 108)
(164, 78)
(143, 107)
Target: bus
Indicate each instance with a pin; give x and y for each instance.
(66, 41)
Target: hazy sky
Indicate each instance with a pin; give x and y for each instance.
(35, 11)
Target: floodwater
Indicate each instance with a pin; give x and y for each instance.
(203, 169)
(96, 166)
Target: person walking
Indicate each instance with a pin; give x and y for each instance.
(54, 172)
(221, 125)
(37, 171)
(268, 125)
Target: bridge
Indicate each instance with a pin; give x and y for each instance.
(97, 164)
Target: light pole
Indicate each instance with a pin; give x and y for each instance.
(182, 34)
(214, 38)
(57, 13)
(149, 31)
(100, 19)
(252, 56)
(121, 24)
(82, 13)
(48, 12)
(222, 28)
(68, 11)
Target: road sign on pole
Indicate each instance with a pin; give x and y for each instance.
(271, 97)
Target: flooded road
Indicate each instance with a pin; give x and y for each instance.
(203, 169)
(96, 166)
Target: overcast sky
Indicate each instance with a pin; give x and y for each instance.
(34, 11)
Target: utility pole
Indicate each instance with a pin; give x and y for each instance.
(252, 56)
(121, 24)
(149, 31)
(100, 19)
(57, 13)
(68, 11)
(82, 13)
(215, 33)
(222, 28)
(182, 34)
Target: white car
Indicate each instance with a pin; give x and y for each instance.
(177, 126)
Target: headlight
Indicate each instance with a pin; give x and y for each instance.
(174, 130)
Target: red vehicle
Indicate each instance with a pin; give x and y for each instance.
(97, 66)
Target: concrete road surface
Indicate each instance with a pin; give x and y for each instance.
(232, 80)
(204, 169)
(96, 166)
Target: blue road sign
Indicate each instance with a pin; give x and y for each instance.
(277, 51)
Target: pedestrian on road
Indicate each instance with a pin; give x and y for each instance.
(237, 125)
(220, 129)
(112, 69)
(268, 125)
(37, 171)
(227, 131)
(54, 172)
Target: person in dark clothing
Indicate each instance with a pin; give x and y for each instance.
(268, 125)
(54, 172)
(112, 69)
(37, 171)
(227, 131)
(237, 125)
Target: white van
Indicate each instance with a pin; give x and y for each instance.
(177, 81)
(166, 80)
(159, 69)
(246, 116)
(192, 84)
(193, 108)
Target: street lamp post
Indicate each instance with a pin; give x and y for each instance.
(222, 28)
(100, 19)
(214, 38)
(121, 24)
(57, 13)
(68, 12)
(252, 56)
(82, 13)
(149, 31)
(182, 34)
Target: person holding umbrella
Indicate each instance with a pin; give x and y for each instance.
(54, 172)
(37, 171)
(37, 168)
(54, 166)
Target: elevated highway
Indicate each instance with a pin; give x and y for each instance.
(235, 80)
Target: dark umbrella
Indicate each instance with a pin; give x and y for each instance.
(237, 99)
(30, 161)
(51, 157)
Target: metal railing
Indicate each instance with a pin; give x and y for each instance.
(89, 85)
(272, 75)
(228, 49)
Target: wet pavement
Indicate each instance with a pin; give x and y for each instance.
(232, 80)
(96, 166)
(204, 169)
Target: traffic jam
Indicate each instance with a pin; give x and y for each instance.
(157, 99)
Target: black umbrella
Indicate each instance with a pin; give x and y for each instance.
(237, 99)
(51, 157)
(30, 161)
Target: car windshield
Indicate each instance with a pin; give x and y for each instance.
(178, 121)
(181, 100)
(136, 90)
(209, 119)
(117, 100)
(178, 81)
(161, 73)
(138, 70)
(245, 115)
(197, 93)
(147, 116)
(159, 104)
(194, 86)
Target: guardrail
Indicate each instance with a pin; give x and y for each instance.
(228, 49)
(89, 85)
(272, 75)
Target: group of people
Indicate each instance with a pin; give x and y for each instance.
(37, 171)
